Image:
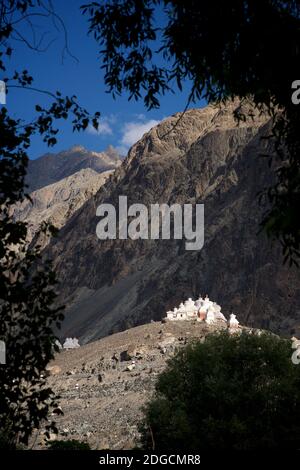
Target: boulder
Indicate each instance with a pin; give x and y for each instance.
(128, 354)
(53, 370)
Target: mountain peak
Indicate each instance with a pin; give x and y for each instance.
(201, 156)
(76, 148)
(53, 167)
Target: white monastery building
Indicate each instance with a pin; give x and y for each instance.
(202, 310)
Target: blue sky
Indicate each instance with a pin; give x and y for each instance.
(122, 121)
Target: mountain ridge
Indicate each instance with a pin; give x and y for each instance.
(52, 167)
(57, 202)
(203, 157)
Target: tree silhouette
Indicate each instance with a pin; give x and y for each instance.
(27, 284)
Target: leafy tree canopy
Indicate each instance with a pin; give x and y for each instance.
(71, 444)
(238, 392)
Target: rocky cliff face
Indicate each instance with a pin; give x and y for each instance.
(57, 202)
(51, 168)
(199, 157)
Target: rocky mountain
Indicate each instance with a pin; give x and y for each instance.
(51, 168)
(57, 202)
(201, 156)
(103, 385)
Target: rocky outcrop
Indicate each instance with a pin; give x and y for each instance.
(51, 168)
(57, 202)
(202, 156)
(104, 385)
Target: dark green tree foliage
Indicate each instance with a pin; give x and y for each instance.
(238, 392)
(244, 48)
(27, 295)
(71, 444)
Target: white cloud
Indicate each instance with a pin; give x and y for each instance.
(140, 116)
(103, 128)
(133, 131)
(104, 125)
(129, 132)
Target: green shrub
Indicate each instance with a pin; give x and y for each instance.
(71, 444)
(231, 392)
